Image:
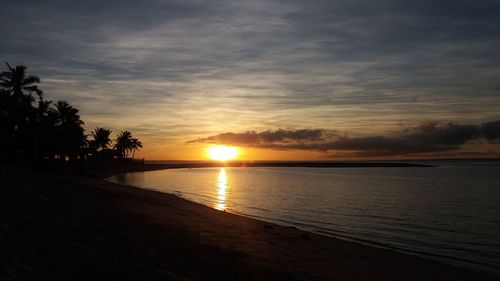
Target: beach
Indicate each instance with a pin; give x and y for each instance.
(60, 227)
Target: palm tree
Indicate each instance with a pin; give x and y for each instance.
(67, 114)
(18, 113)
(71, 137)
(125, 143)
(101, 139)
(17, 82)
(45, 129)
(135, 145)
(31, 132)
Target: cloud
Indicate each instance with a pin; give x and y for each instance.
(491, 130)
(427, 137)
(252, 138)
(435, 133)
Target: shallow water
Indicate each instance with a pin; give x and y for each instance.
(450, 213)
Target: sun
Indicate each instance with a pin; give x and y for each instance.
(222, 152)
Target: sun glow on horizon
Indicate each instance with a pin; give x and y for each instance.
(222, 152)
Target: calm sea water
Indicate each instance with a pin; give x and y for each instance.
(450, 212)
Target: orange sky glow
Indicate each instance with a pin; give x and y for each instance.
(280, 80)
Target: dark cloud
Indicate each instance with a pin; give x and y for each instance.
(369, 146)
(432, 132)
(491, 130)
(293, 135)
(427, 137)
(252, 138)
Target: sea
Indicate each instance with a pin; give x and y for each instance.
(449, 212)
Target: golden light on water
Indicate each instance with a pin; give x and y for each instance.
(221, 190)
(222, 152)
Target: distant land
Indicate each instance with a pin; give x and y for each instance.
(312, 164)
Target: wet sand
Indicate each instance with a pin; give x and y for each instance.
(63, 227)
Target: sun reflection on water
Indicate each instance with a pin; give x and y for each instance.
(221, 190)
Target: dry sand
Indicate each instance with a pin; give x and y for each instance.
(55, 227)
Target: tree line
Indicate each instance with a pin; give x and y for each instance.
(34, 129)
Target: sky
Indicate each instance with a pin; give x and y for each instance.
(316, 80)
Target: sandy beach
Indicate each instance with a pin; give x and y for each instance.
(63, 227)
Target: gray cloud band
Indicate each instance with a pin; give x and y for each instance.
(427, 137)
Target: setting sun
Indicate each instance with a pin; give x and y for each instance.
(222, 152)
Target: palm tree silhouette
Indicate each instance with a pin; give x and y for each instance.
(67, 114)
(45, 131)
(18, 113)
(125, 143)
(17, 82)
(101, 139)
(71, 137)
(99, 145)
(135, 145)
(33, 133)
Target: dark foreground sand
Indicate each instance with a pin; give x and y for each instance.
(55, 227)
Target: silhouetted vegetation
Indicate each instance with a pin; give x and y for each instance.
(125, 144)
(99, 146)
(34, 129)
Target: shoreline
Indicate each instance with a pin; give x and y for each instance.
(163, 235)
(368, 243)
(449, 260)
(105, 170)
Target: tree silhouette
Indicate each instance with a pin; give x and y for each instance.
(18, 113)
(70, 133)
(43, 131)
(101, 139)
(99, 145)
(46, 130)
(125, 144)
(18, 83)
(135, 145)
